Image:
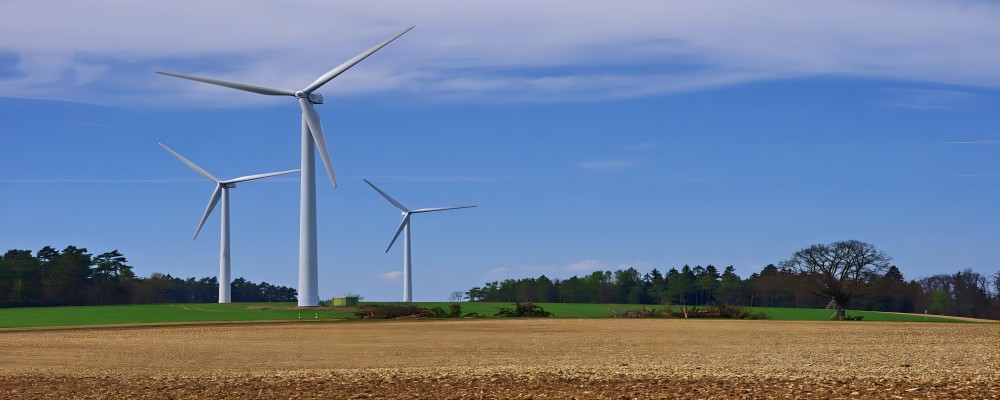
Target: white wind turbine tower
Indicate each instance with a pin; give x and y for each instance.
(405, 226)
(221, 191)
(312, 138)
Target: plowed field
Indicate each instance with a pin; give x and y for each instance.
(508, 359)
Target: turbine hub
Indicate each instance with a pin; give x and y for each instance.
(314, 98)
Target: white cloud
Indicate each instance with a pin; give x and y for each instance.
(391, 276)
(512, 50)
(585, 265)
(499, 271)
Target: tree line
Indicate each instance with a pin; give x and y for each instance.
(800, 281)
(74, 277)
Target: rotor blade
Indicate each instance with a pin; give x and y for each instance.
(193, 166)
(391, 200)
(406, 220)
(208, 210)
(423, 210)
(259, 176)
(350, 63)
(312, 119)
(235, 85)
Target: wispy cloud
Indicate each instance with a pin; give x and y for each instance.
(440, 178)
(517, 50)
(609, 165)
(690, 180)
(189, 180)
(390, 276)
(92, 125)
(100, 180)
(585, 265)
(926, 99)
(644, 146)
(564, 271)
(973, 142)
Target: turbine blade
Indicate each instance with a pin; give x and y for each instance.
(259, 176)
(208, 210)
(193, 166)
(423, 210)
(406, 220)
(350, 63)
(391, 200)
(270, 91)
(316, 129)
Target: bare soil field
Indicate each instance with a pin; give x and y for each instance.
(508, 359)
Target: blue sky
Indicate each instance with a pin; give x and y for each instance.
(643, 134)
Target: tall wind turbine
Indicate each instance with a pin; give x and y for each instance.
(312, 138)
(221, 191)
(404, 226)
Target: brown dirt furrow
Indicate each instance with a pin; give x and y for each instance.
(509, 359)
(457, 385)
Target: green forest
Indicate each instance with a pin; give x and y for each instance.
(74, 277)
(964, 293)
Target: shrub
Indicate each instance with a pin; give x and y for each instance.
(381, 311)
(711, 311)
(523, 310)
(387, 311)
(717, 310)
(726, 311)
(438, 312)
(643, 312)
(505, 313)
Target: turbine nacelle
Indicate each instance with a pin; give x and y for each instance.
(314, 98)
(406, 212)
(221, 185)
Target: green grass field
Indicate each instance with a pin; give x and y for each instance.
(564, 310)
(195, 313)
(159, 313)
(810, 314)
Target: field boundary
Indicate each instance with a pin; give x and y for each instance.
(161, 325)
(966, 319)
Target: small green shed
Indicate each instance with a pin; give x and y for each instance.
(345, 301)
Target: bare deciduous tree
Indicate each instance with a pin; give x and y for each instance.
(840, 270)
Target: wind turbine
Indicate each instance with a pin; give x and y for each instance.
(405, 226)
(312, 137)
(221, 191)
